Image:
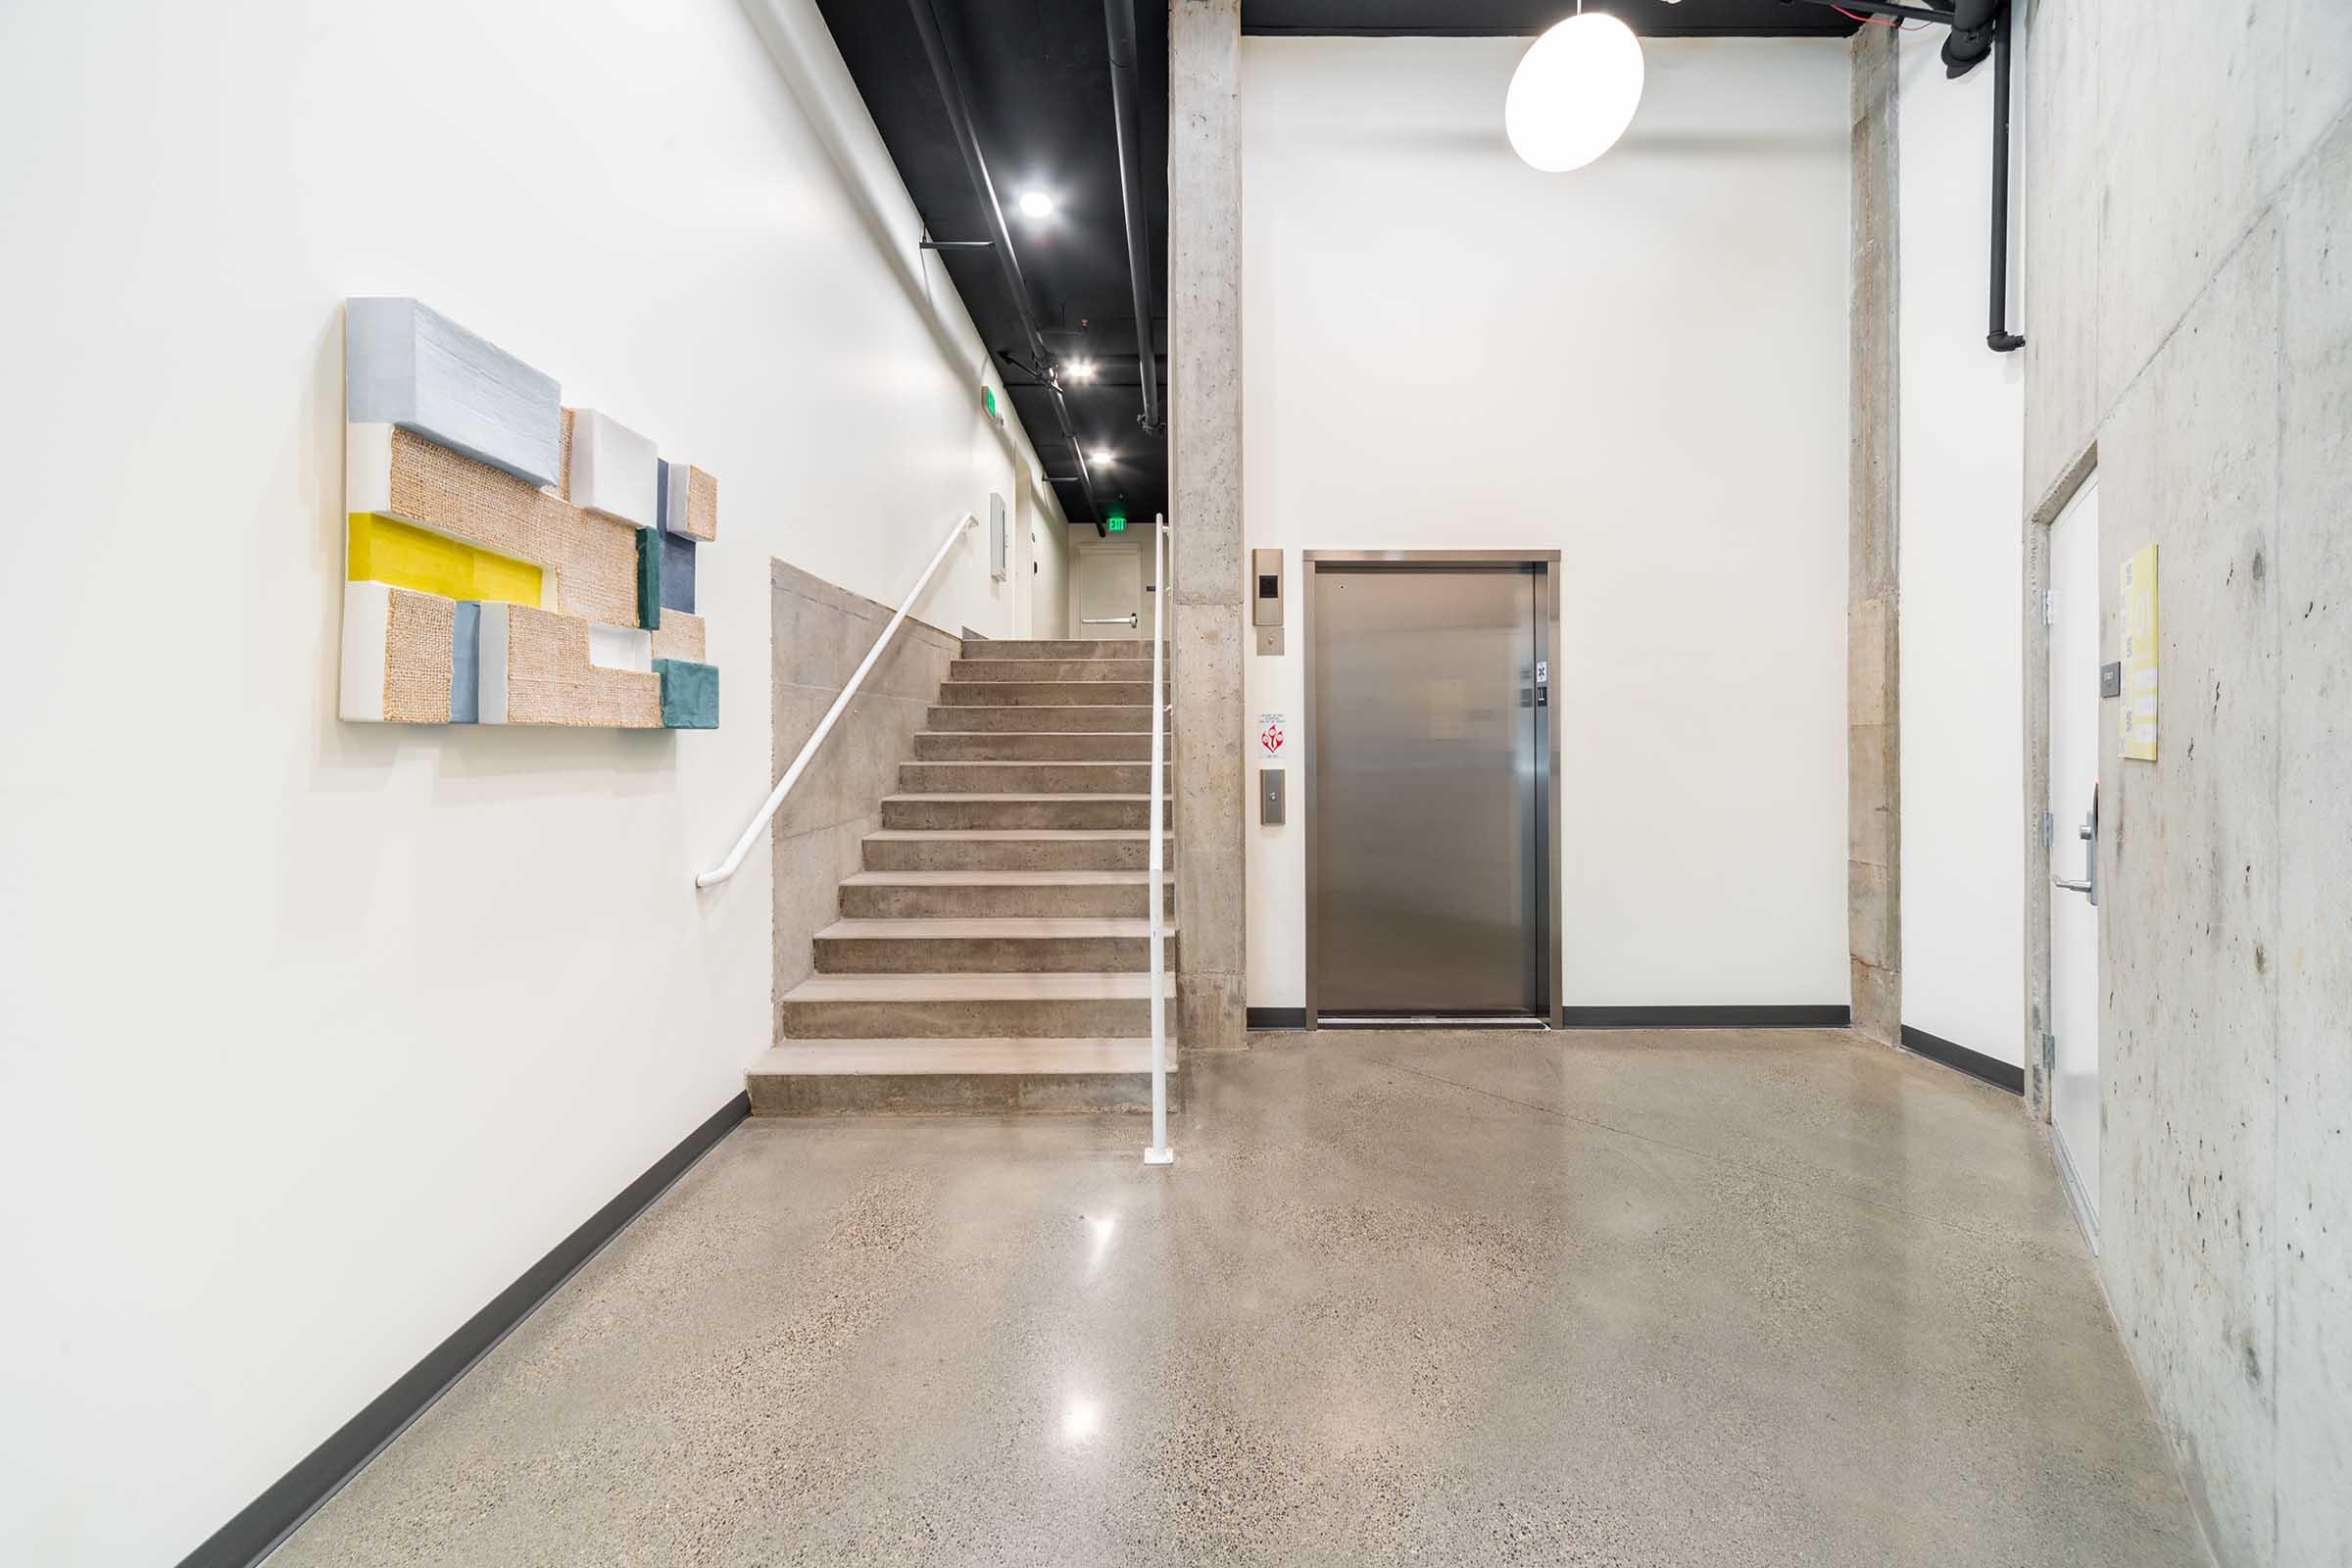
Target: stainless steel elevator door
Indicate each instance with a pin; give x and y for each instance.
(1427, 778)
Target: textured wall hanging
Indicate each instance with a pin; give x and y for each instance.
(509, 561)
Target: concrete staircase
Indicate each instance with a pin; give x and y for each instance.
(995, 952)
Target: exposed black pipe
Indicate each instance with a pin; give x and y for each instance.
(1880, 7)
(1978, 26)
(1118, 21)
(1998, 337)
(1971, 38)
(967, 142)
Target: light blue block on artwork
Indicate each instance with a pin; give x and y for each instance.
(409, 366)
(674, 499)
(466, 665)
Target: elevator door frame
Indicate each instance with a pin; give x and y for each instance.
(1545, 566)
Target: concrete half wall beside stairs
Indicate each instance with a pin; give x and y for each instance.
(990, 950)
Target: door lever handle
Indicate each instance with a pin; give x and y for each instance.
(2088, 833)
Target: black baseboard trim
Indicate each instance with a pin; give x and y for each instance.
(1767, 1015)
(294, 1496)
(1760, 1015)
(1999, 1075)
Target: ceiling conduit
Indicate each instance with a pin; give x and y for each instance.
(1118, 18)
(1000, 238)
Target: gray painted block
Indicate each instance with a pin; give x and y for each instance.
(406, 364)
(677, 569)
(466, 665)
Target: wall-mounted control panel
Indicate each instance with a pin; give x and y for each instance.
(1270, 797)
(1265, 598)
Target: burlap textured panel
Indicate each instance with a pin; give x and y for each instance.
(680, 636)
(595, 557)
(701, 506)
(417, 658)
(550, 681)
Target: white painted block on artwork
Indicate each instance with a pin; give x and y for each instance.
(367, 467)
(491, 705)
(366, 624)
(614, 469)
(620, 646)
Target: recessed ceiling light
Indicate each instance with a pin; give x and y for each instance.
(1036, 204)
(1102, 455)
(1080, 369)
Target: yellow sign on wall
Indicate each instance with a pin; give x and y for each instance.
(2138, 718)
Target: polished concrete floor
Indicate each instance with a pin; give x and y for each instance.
(1708, 1298)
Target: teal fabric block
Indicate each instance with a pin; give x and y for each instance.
(689, 693)
(648, 578)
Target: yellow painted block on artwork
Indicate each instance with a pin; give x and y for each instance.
(383, 550)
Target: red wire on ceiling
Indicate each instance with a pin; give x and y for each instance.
(1880, 22)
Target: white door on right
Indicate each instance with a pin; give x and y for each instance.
(2072, 806)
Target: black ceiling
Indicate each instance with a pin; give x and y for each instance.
(1652, 18)
(1036, 75)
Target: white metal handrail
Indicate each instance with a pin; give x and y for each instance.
(1158, 1153)
(791, 776)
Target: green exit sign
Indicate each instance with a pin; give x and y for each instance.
(1116, 523)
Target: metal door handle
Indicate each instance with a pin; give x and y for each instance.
(1129, 620)
(2088, 833)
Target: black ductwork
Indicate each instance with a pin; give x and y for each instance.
(1997, 336)
(1118, 21)
(1971, 38)
(1977, 28)
(1000, 238)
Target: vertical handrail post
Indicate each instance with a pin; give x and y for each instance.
(1158, 1153)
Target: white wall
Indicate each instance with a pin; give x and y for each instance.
(1050, 584)
(1962, 416)
(1642, 365)
(313, 1036)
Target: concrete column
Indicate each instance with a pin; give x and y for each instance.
(1874, 776)
(1204, 461)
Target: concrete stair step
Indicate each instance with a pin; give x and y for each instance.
(1060, 717)
(969, 1076)
(1002, 895)
(1036, 746)
(964, 813)
(1043, 693)
(1036, 669)
(1063, 944)
(1029, 778)
(1039, 850)
(1088, 648)
(959, 1006)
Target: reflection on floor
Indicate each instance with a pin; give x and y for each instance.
(1644, 1298)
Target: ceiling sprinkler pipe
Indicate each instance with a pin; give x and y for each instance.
(1126, 93)
(1009, 262)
